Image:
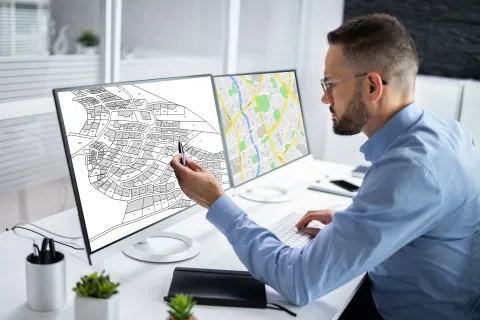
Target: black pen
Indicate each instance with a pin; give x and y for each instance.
(51, 244)
(180, 150)
(43, 252)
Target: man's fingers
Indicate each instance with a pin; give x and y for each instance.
(312, 231)
(305, 220)
(195, 167)
(176, 164)
(323, 216)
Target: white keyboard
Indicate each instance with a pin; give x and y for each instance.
(286, 231)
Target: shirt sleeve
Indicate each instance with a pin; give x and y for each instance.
(395, 204)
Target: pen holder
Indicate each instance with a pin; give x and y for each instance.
(46, 283)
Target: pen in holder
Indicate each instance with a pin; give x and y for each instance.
(46, 280)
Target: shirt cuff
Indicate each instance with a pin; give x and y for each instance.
(223, 212)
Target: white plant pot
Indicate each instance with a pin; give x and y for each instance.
(96, 309)
(89, 51)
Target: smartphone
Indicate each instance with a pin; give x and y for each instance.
(180, 150)
(345, 185)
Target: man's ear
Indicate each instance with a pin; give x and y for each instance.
(375, 86)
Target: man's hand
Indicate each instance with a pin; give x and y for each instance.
(324, 216)
(198, 184)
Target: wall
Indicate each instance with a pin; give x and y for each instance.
(268, 35)
(177, 27)
(323, 16)
(195, 27)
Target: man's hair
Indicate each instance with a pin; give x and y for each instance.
(378, 42)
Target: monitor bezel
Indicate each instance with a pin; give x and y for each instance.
(223, 129)
(71, 168)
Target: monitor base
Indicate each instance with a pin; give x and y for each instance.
(270, 194)
(144, 254)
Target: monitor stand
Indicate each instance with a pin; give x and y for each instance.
(145, 251)
(270, 194)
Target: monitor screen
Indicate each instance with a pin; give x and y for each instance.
(120, 139)
(262, 122)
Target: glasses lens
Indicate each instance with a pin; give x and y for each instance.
(324, 86)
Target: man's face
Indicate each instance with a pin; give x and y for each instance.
(349, 112)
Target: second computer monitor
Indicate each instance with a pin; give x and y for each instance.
(262, 121)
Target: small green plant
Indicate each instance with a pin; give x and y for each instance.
(181, 306)
(478, 57)
(96, 286)
(88, 39)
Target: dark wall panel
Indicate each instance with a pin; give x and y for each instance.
(446, 33)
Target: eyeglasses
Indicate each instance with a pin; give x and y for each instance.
(328, 85)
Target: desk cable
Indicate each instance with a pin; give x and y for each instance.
(67, 244)
(279, 307)
(45, 230)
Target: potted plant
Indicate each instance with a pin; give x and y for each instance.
(181, 306)
(87, 43)
(96, 298)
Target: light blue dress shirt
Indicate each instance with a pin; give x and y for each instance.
(413, 226)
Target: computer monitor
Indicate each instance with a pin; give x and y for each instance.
(119, 139)
(263, 128)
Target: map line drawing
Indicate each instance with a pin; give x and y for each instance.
(128, 139)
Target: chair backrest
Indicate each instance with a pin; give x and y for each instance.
(470, 109)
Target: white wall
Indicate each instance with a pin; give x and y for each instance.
(269, 28)
(268, 35)
(177, 27)
(195, 27)
(323, 16)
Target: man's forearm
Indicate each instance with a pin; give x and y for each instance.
(266, 257)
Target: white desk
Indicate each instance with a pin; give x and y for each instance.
(143, 285)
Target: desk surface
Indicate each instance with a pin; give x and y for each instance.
(143, 285)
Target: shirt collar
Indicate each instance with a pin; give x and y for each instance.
(374, 147)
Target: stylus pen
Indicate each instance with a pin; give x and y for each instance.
(180, 150)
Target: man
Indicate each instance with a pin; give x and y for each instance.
(414, 224)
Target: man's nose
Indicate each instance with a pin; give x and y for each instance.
(326, 98)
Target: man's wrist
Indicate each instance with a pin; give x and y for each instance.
(214, 198)
(222, 213)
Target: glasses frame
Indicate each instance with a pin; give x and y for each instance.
(327, 86)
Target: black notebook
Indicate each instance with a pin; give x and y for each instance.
(219, 287)
(225, 288)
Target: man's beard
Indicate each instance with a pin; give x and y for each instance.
(354, 118)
